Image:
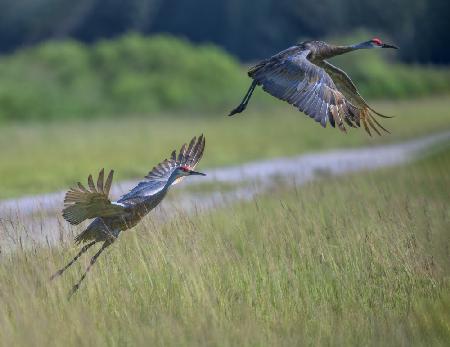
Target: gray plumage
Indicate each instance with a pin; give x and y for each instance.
(112, 217)
(301, 76)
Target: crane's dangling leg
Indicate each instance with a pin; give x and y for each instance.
(243, 105)
(91, 263)
(84, 249)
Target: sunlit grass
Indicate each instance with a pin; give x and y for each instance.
(355, 260)
(38, 158)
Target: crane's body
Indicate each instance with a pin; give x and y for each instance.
(109, 228)
(301, 76)
(136, 205)
(112, 217)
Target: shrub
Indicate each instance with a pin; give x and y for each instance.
(133, 74)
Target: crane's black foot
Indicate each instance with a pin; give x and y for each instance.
(238, 109)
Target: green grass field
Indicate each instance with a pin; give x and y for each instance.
(355, 260)
(38, 158)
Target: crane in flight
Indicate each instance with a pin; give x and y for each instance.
(301, 76)
(112, 217)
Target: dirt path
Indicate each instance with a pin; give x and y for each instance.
(35, 219)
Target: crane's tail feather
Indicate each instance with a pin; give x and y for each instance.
(86, 235)
(369, 122)
(379, 114)
(378, 124)
(372, 125)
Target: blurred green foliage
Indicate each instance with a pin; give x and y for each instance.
(135, 75)
(132, 74)
(249, 29)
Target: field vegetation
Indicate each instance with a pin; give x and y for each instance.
(361, 259)
(355, 260)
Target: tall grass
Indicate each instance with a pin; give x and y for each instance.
(356, 260)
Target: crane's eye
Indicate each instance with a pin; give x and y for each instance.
(377, 41)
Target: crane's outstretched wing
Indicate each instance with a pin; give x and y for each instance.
(81, 203)
(348, 88)
(156, 179)
(291, 77)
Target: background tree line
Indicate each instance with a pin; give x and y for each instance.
(249, 29)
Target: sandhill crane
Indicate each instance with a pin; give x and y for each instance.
(112, 217)
(301, 76)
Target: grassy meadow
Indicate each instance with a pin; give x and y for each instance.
(355, 260)
(361, 259)
(43, 157)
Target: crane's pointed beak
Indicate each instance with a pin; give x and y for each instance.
(196, 173)
(385, 45)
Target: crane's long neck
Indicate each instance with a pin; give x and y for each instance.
(171, 180)
(333, 51)
(159, 195)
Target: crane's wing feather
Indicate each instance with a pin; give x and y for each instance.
(291, 77)
(346, 86)
(82, 203)
(156, 179)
